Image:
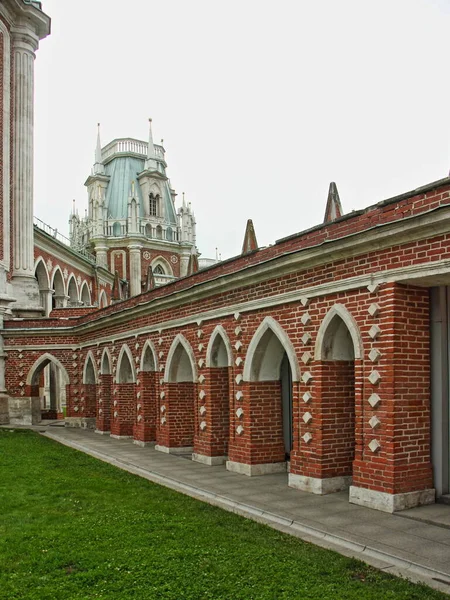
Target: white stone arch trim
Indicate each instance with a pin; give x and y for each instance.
(56, 270)
(180, 339)
(37, 262)
(219, 331)
(6, 114)
(340, 311)
(275, 327)
(83, 286)
(160, 260)
(90, 356)
(69, 279)
(108, 356)
(47, 358)
(149, 344)
(125, 350)
(102, 299)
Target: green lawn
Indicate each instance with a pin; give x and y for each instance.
(74, 527)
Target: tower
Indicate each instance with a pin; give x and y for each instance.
(132, 223)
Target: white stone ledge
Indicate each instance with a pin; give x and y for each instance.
(390, 502)
(178, 450)
(121, 437)
(143, 444)
(100, 432)
(208, 460)
(319, 486)
(254, 470)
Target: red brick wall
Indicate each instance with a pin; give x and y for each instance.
(122, 423)
(103, 422)
(88, 400)
(145, 427)
(178, 431)
(213, 441)
(262, 439)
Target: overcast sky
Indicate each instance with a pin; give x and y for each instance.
(260, 104)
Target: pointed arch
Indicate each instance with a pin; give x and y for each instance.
(126, 372)
(90, 372)
(180, 364)
(337, 314)
(41, 274)
(149, 361)
(103, 300)
(58, 282)
(162, 262)
(219, 352)
(85, 294)
(264, 357)
(105, 364)
(72, 289)
(42, 362)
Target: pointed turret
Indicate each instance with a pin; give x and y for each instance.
(250, 244)
(193, 264)
(150, 281)
(150, 162)
(99, 168)
(334, 207)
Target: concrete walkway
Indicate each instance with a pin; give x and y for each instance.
(414, 543)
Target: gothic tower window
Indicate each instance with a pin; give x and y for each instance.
(159, 232)
(154, 205)
(158, 270)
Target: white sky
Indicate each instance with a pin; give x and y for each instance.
(260, 104)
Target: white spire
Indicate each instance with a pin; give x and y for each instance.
(99, 168)
(150, 162)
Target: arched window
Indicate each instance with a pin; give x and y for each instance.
(159, 232)
(158, 270)
(153, 202)
(148, 230)
(169, 234)
(117, 229)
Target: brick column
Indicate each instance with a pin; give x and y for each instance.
(123, 410)
(212, 434)
(147, 408)
(176, 432)
(257, 447)
(103, 421)
(392, 467)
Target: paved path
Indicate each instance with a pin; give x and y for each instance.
(414, 543)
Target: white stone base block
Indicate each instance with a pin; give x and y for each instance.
(28, 301)
(319, 486)
(82, 422)
(24, 411)
(143, 444)
(4, 410)
(209, 460)
(121, 437)
(100, 432)
(181, 450)
(390, 502)
(254, 470)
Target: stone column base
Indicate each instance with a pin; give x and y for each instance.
(319, 486)
(4, 410)
(82, 422)
(101, 432)
(180, 450)
(143, 444)
(390, 502)
(209, 460)
(121, 437)
(24, 411)
(254, 470)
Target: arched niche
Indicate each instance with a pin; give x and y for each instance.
(103, 300)
(105, 367)
(90, 374)
(125, 366)
(41, 363)
(161, 265)
(58, 282)
(180, 362)
(148, 359)
(41, 274)
(265, 353)
(219, 352)
(338, 337)
(72, 291)
(85, 294)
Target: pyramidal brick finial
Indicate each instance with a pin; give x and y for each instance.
(150, 282)
(116, 289)
(334, 207)
(193, 264)
(250, 244)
